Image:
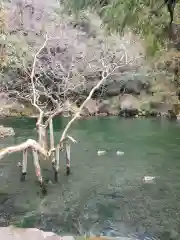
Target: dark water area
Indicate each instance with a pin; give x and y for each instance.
(104, 195)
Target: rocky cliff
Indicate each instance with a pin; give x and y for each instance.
(64, 74)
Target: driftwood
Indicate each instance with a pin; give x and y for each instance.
(44, 149)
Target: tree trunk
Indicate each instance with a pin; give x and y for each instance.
(24, 165)
(68, 156)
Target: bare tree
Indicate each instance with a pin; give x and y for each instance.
(72, 75)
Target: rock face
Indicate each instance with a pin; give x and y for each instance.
(135, 87)
(104, 108)
(119, 95)
(129, 105)
(6, 131)
(91, 107)
(38, 14)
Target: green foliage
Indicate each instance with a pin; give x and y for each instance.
(79, 5)
(15, 52)
(120, 15)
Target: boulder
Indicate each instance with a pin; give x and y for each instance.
(104, 107)
(129, 105)
(6, 131)
(110, 106)
(122, 85)
(134, 87)
(70, 108)
(161, 108)
(113, 88)
(174, 112)
(114, 106)
(91, 107)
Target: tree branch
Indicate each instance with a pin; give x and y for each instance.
(33, 85)
(30, 143)
(105, 75)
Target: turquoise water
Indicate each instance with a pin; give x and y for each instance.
(104, 194)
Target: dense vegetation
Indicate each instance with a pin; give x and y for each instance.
(145, 18)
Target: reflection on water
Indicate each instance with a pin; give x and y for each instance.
(104, 195)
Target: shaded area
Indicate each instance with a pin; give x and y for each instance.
(104, 195)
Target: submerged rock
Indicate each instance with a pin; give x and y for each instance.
(6, 131)
(100, 153)
(119, 153)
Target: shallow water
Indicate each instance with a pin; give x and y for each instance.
(104, 195)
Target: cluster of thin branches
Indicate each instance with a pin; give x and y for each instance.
(67, 67)
(73, 76)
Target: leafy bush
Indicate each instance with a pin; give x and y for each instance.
(15, 52)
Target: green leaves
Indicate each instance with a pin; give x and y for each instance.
(17, 52)
(120, 15)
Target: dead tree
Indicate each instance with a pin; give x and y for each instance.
(49, 150)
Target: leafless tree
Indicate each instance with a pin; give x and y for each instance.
(72, 75)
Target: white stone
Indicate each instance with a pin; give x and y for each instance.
(119, 153)
(101, 153)
(148, 179)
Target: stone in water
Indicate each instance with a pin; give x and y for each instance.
(148, 179)
(100, 153)
(119, 153)
(19, 164)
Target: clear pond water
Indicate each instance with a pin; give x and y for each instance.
(104, 195)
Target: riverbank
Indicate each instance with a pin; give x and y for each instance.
(125, 105)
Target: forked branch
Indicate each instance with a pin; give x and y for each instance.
(38, 147)
(105, 74)
(30, 143)
(34, 101)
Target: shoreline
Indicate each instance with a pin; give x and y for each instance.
(86, 117)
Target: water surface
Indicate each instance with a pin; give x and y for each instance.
(104, 195)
